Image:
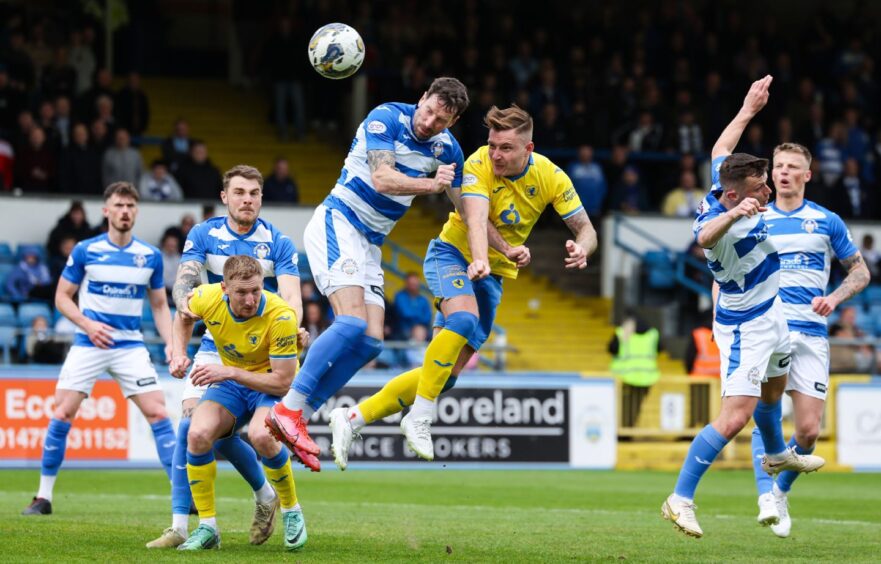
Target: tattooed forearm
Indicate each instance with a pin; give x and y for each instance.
(189, 275)
(585, 235)
(375, 159)
(857, 278)
(188, 412)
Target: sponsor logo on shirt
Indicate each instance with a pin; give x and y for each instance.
(376, 126)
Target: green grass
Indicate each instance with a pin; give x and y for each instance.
(433, 516)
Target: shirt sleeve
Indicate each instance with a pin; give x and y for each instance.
(459, 161)
(380, 128)
(196, 246)
(283, 334)
(841, 239)
(75, 269)
(157, 281)
(474, 179)
(714, 172)
(566, 200)
(200, 303)
(286, 257)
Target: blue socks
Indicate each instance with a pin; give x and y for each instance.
(704, 449)
(163, 433)
(764, 482)
(181, 498)
(344, 334)
(200, 459)
(53, 447)
(243, 458)
(356, 356)
(767, 417)
(786, 478)
(278, 460)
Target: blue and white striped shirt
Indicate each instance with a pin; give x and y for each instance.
(113, 283)
(389, 127)
(212, 242)
(744, 262)
(806, 239)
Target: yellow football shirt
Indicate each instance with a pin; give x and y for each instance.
(515, 203)
(247, 343)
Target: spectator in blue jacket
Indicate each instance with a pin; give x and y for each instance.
(411, 307)
(30, 280)
(589, 181)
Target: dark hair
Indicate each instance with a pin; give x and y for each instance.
(158, 162)
(124, 189)
(247, 172)
(451, 93)
(740, 166)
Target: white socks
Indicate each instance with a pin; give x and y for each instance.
(180, 523)
(294, 400)
(356, 418)
(210, 521)
(422, 407)
(265, 494)
(290, 509)
(47, 484)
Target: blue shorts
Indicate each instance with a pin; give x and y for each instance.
(239, 400)
(445, 272)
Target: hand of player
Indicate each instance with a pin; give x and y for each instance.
(179, 365)
(205, 374)
(478, 270)
(824, 305)
(443, 178)
(99, 334)
(747, 208)
(183, 308)
(757, 96)
(302, 339)
(520, 255)
(577, 255)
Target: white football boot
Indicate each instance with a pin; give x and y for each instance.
(417, 430)
(681, 513)
(343, 436)
(768, 514)
(791, 460)
(782, 528)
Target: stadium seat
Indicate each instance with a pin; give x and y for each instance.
(33, 247)
(7, 342)
(29, 310)
(872, 294)
(6, 254)
(5, 269)
(303, 266)
(7, 316)
(660, 270)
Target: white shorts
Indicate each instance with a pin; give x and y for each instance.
(809, 374)
(131, 367)
(341, 256)
(191, 391)
(752, 352)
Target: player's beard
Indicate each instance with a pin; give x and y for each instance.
(242, 222)
(123, 227)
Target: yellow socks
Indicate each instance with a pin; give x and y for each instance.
(202, 478)
(398, 393)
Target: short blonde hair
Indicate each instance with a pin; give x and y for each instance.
(514, 118)
(241, 267)
(794, 148)
(247, 172)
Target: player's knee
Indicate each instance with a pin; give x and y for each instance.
(63, 415)
(154, 414)
(199, 439)
(733, 423)
(463, 323)
(264, 443)
(806, 435)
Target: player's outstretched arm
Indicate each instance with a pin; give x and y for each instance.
(99, 333)
(387, 180)
(713, 230)
(162, 318)
(857, 279)
(755, 100)
(189, 275)
(585, 243)
(181, 333)
(289, 290)
(476, 211)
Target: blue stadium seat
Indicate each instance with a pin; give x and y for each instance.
(33, 247)
(6, 254)
(7, 316)
(303, 266)
(872, 294)
(7, 342)
(29, 310)
(5, 269)
(660, 269)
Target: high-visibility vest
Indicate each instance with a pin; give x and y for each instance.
(637, 360)
(707, 360)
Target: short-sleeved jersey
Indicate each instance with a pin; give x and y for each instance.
(807, 239)
(113, 282)
(389, 127)
(515, 203)
(744, 262)
(248, 343)
(212, 242)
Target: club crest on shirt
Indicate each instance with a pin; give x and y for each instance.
(809, 225)
(437, 149)
(761, 234)
(531, 191)
(139, 260)
(261, 251)
(253, 339)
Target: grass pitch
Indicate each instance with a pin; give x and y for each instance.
(451, 515)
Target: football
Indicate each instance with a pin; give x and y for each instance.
(336, 51)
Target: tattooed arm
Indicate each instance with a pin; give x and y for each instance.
(585, 242)
(387, 180)
(857, 278)
(189, 275)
